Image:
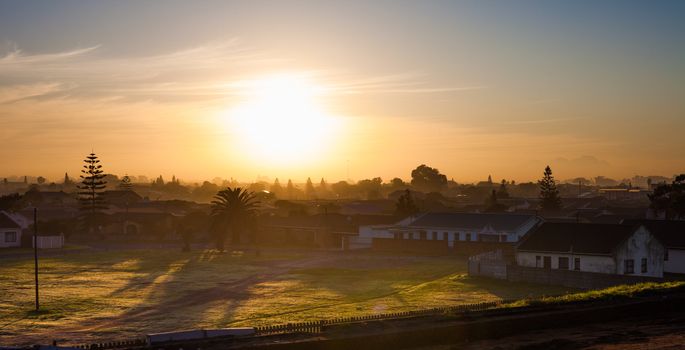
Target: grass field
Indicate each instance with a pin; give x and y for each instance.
(89, 296)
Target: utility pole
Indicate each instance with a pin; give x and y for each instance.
(35, 251)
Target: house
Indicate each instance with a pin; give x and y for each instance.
(599, 248)
(121, 197)
(324, 230)
(672, 235)
(454, 228)
(10, 231)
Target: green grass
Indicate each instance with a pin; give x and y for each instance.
(86, 296)
(611, 293)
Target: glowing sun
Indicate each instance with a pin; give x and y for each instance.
(281, 119)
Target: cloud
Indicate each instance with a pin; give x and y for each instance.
(19, 92)
(582, 161)
(206, 73)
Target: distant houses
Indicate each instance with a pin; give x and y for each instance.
(598, 248)
(10, 231)
(449, 230)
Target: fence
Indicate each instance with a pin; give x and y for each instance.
(321, 325)
(49, 242)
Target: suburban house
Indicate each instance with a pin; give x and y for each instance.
(599, 248)
(672, 235)
(452, 228)
(10, 231)
(323, 230)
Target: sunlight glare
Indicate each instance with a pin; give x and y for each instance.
(281, 119)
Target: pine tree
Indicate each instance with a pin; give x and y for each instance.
(126, 184)
(276, 188)
(67, 180)
(309, 188)
(549, 194)
(91, 188)
(290, 188)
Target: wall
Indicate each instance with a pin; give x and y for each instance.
(676, 261)
(572, 279)
(588, 263)
(566, 278)
(638, 246)
(16, 243)
(411, 246)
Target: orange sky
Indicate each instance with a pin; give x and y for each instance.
(374, 88)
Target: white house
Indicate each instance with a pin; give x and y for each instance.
(10, 231)
(672, 235)
(452, 227)
(600, 248)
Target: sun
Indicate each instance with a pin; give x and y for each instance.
(282, 119)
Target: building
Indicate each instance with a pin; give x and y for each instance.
(453, 227)
(672, 235)
(10, 231)
(599, 248)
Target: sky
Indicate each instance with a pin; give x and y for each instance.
(353, 89)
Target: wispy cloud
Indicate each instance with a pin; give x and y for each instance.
(206, 73)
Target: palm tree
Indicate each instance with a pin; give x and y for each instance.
(232, 210)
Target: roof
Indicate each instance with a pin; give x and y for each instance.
(337, 222)
(7, 221)
(593, 239)
(498, 221)
(669, 232)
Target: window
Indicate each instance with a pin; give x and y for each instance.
(665, 254)
(468, 237)
(576, 264)
(435, 236)
(643, 268)
(444, 236)
(10, 237)
(547, 262)
(537, 261)
(411, 235)
(563, 263)
(628, 266)
(422, 235)
(503, 238)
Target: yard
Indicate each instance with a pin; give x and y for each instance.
(106, 295)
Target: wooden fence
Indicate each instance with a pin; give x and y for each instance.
(320, 325)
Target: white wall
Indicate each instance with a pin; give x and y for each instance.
(588, 263)
(638, 246)
(675, 262)
(16, 243)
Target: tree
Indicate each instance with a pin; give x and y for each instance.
(405, 205)
(41, 180)
(502, 191)
(370, 188)
(67, 180)
(276, 188)
(549, 194)
(397, 183)
(341, 189)
(232, 210)
(492, 205)
(428, 179)
(290, 189)
(669, 199)
(126, 184)
(309, 190)
(91, 188)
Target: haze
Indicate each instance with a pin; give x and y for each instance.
(359, 89)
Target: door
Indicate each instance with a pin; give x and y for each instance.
(547, 262)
